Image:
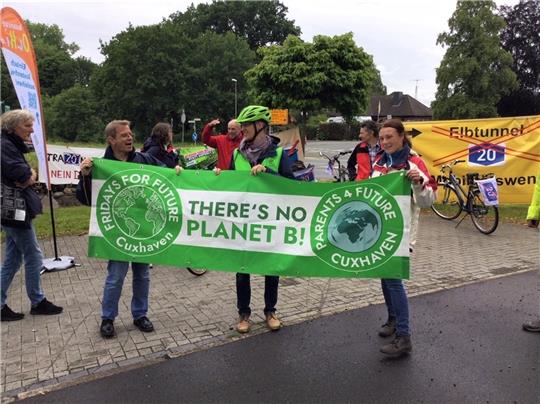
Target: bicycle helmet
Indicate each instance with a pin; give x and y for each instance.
(253, 113)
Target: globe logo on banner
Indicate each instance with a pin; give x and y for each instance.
(356, 228)
(487, 154)
(138, 215)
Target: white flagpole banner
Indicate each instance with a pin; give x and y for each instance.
(20, 59)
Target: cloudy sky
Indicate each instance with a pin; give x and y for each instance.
(400, 35)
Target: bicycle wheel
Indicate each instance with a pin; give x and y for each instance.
(447, 205)
(196, 271)
(484, 217)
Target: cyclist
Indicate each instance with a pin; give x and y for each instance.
(365, 153)
(258, 153)
(397, 155)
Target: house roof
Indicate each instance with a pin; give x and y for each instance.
(398, 105)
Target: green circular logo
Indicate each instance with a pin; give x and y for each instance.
(356, 228)
(139, 213)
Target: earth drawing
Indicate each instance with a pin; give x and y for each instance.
(354, 227)
(127, 207)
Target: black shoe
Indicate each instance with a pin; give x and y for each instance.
(388, 329)
(399, 346)
(46, 308)
(10, 315)
(107, 328)
(531, 326)
(143, 324)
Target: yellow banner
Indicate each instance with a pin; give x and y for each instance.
(507, 147)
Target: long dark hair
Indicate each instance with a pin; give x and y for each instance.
(398, 126)
(160, 133)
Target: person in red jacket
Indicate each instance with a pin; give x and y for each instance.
(224, 143)
(363, 156)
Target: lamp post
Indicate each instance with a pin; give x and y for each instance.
(235, 97)
(183, 120)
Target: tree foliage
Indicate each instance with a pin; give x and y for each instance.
(475, 71)
(152, 72)
(57, 68)
(71, 115)
(260, 23)
(331, 72)
(521, 37)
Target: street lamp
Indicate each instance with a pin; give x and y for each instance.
(183, 120)
(235, 97)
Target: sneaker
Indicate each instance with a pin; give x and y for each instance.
(531, 326)
(388, 329)
(272, 322)
(143, 324)
(243, 324)
(107, 328)
(46, 308)
(399, 346)
(10, 315)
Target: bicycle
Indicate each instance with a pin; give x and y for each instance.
(340, 174)
(455, 200)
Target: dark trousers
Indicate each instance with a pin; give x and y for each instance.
(243, 293)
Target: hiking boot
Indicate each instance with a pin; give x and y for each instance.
(10, 315)
(243, 324)
(143, 324)
(107, 328)
(46, 308)
(388, 329)
(399, 346)
(531, 326)
(272, 322)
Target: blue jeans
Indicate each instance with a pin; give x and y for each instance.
(243, 293)
(117, 271)
(22, 243)
(397, 304)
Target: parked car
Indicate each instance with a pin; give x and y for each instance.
(340, 119)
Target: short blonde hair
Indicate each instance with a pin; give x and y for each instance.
(110, 129)
(12, 119)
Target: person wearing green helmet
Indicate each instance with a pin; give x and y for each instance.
(258, 152)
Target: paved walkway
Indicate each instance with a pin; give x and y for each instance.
(193, 313)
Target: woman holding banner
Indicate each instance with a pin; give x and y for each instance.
(158, 143)
(20, 205)
(397, 156)
(258, 153)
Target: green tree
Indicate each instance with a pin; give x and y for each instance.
(71, 115)
(475, 71)
(260, 23)
(330, 73)
(521, 37)
(151, 72)
(57, 68)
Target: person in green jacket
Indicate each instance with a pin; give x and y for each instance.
(533, 218)
(533, 214)
(258, 153)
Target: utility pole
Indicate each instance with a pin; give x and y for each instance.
(416, 88)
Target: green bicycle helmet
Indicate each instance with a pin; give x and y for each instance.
(253, 113)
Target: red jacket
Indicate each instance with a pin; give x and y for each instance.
(224, 145)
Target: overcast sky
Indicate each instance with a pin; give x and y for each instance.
(400, 34)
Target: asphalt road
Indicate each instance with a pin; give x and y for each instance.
(468, 348)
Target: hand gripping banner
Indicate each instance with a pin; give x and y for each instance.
(261, 224)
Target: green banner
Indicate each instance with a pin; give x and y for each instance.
(261, 224)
